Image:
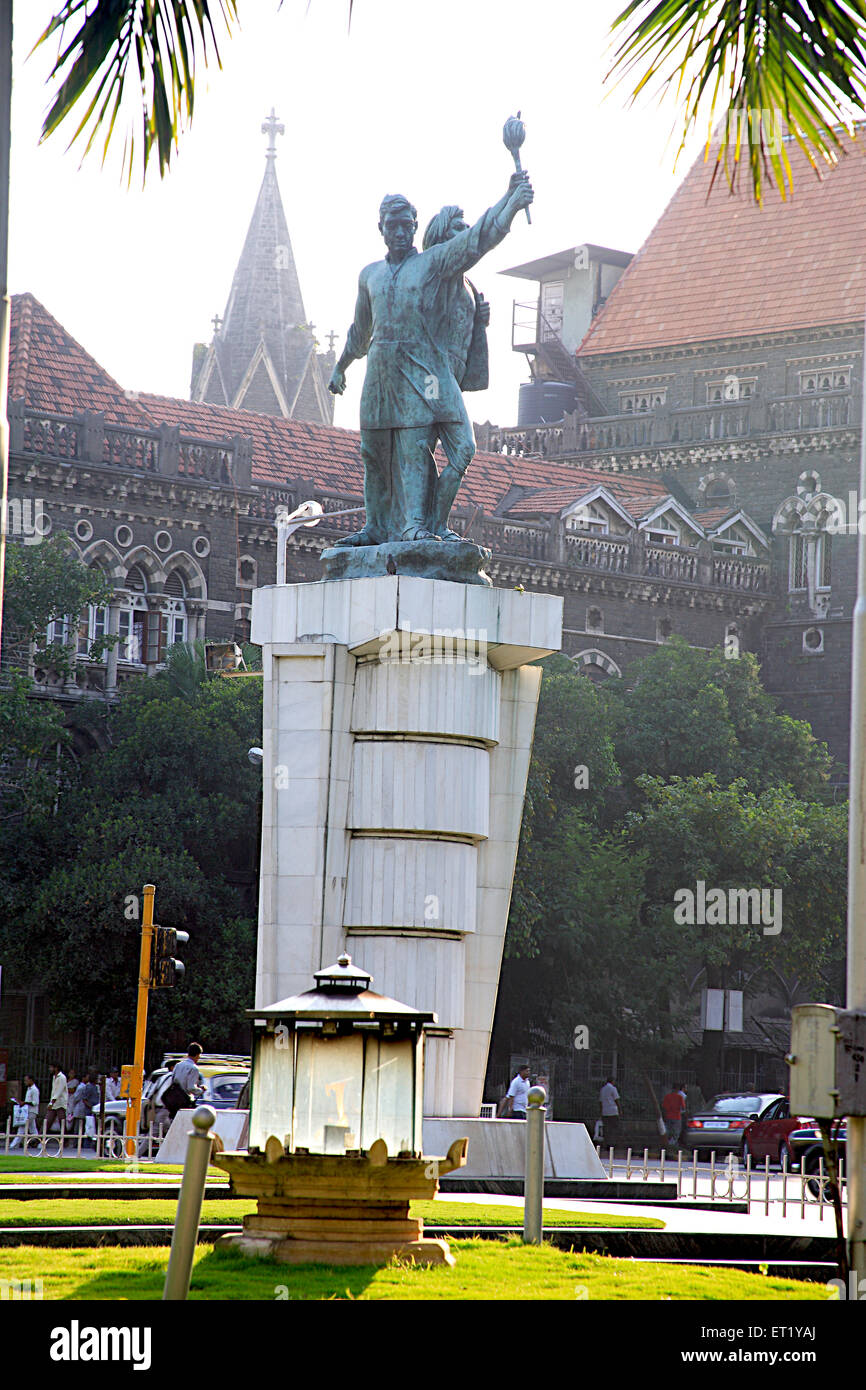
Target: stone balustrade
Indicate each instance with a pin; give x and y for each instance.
(87, 438)
(720, 420)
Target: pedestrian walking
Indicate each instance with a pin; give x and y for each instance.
(59, 1099)
(187, 1082)
(112, 1085)
(27, 1111)
(86, 1097)
(513, 1104)
(72, 1084)
(673, 1109)
(610, 1114)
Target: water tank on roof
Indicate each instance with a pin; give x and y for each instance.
(545, 402)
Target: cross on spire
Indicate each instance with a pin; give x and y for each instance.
(217, 324)
(272, 128)
(332, 338)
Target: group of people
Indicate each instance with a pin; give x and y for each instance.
(71, 1105)
(673, 1109)
(607, 1128)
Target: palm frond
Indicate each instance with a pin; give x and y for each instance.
(774, 70)
(138, 50)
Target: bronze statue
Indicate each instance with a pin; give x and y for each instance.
(411, 318)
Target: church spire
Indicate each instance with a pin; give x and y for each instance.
(263, 355)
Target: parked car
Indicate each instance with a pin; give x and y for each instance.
(223, 1085)
(808, 1148)
(720, 1127)
(770, 1137)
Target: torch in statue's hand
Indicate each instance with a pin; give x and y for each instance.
(513, 136)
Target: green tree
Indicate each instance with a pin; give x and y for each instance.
(692, 830)
(174, 801)
(45, 582)
(592, 937)
(688, 712)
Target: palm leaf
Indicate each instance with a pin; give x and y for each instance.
(133, 51)
(775, 70)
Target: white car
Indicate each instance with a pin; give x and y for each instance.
(223, 1086)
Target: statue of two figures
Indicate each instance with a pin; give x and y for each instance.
(422, 327)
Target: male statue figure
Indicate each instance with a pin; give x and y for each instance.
(410, 393)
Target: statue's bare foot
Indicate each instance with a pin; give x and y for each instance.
(363, 537)
(418, 533)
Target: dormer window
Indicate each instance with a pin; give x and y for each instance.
(589, 518)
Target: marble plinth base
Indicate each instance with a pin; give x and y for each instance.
(461, 562)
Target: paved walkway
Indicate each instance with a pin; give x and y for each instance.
(682, 1219)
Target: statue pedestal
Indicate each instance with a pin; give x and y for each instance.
(398, 722)
(458, 561)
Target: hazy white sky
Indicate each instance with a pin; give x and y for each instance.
(411, 100)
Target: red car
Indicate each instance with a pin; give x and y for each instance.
(768, 1137)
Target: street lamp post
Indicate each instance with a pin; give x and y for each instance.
(335, 1128)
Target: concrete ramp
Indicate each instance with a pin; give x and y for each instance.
(229, 1126)
(497, 1148)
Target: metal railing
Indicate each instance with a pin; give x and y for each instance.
(103, 1142)
(726, 1180)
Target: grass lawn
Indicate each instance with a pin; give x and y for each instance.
(501, 1270)
(46, 1169)
(148, 1211)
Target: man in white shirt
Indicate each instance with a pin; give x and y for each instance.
(112, 1085)
(31, 1105)
(515, 1096)
(59, 1100)
(609, 1099)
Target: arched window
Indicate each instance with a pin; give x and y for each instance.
(173, 619)
(133, 618)
(719, 490)
(822, 561)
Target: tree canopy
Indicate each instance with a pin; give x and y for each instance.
(640, 789)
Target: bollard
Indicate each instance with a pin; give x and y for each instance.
(183, 1240)
(533, 1186)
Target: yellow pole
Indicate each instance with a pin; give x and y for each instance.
(136, 1082)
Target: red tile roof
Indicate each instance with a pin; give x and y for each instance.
(554, 500)
(298, 449)
(52, 372)
(724, 268)
(712, 516)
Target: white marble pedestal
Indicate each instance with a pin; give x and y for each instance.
(398, 722)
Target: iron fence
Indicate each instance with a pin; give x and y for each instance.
(100, 1141)
(728, 1180)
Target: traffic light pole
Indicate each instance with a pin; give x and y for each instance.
(136, 1079)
